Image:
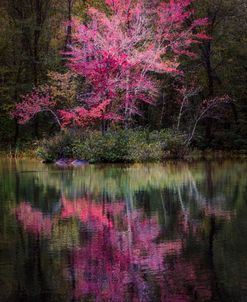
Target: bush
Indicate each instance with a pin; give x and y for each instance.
(59, 146)
(97, 148)
(114, 146)
(141, 149)
(172, 142)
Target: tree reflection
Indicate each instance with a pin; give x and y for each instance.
(33, 220)
(122, 255)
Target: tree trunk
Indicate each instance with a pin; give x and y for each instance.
(68, 38)
(207, 55)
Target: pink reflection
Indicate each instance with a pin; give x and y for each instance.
(33, 220)
(117, 259)
(125, 259)
(86, 211)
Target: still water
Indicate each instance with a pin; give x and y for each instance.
(171, 232)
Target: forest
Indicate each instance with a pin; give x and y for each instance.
(114, 81)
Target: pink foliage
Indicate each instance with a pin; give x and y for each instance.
(82, 117)
(116, 52)
(33, 103)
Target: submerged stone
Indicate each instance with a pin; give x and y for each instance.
(79, 162)
(65, 162)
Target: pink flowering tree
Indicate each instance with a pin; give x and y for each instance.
(117, 54)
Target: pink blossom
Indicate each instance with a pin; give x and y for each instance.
(33, 103)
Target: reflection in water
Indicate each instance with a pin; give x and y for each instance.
(118, 243)
(33, 220)
(124, 233)
(124, 259)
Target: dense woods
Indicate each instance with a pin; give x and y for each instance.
(207, 102)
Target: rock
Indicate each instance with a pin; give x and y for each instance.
(79, 163)
(65, 162)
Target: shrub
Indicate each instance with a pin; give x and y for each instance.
(141, 149)
(114, 146)
(59, 146)
(97, 148)
(172, 142)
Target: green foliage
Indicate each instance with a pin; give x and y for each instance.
(140, 148)
(173, 143)
(113, 146)
(56, 147)
(96, 147)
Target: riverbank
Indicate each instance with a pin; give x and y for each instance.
(122, 146)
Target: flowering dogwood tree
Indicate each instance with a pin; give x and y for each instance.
(118, 52)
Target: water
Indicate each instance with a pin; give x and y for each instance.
(171, 232)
